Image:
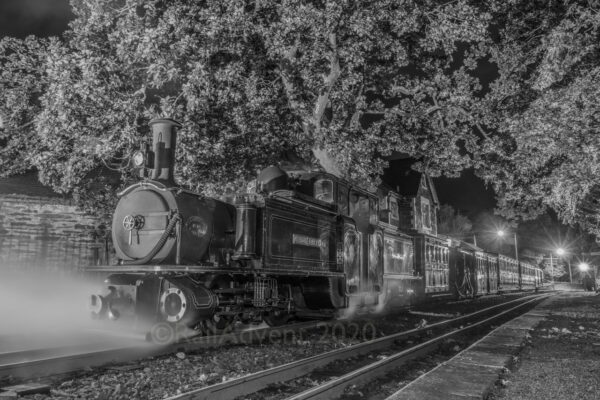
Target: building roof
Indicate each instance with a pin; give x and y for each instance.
(406, 180)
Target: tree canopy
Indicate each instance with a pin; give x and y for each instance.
(544, 108)
(340, 83)
(351, 80)
(453, 223)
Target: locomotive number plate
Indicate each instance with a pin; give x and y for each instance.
(308, 241)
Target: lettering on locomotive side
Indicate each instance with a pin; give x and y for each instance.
(308, 241)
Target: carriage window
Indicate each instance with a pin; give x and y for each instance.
(397, 257)
(324, 190)
(359, 204)
(342, 199)
(373, 217)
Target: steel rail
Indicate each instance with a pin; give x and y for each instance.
(335, 387)
(42, 364)
(16, 356)
(259, 380)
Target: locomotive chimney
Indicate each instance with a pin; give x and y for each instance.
(164, 139)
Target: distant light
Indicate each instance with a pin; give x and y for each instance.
(501, 233)
(584, 267)
(560, 251)
(138, 159)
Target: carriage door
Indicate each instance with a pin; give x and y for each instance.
(375, 277)
(361, 207)
(352, 257)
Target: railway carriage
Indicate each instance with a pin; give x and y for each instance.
(432, 262)
(487, 265)
(482, 272)
(508, 273)
(302, 243)
(463, 281)
(528, 276)
(400, 281)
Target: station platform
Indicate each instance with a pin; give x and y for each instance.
(474, 372)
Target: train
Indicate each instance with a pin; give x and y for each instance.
(298, 244)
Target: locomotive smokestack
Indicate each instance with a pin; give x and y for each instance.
(164, 140)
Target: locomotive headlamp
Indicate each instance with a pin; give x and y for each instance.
(139, 159)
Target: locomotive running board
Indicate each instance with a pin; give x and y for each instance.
(205, 269)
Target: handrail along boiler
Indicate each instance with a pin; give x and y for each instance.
(304, 243)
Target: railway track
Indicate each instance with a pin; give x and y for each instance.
(255, 382)
(46, 362)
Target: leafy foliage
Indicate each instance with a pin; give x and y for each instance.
(22, 84)
(351, 80)
(452, 223)
(342, 84)
(544, 107)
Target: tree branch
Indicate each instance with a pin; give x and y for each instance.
(26, 125)
(288, 86)
(329, 81)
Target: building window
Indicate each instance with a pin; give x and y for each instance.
(426, 213)
(394, 212)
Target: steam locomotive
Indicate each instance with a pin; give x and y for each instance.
(302, 244)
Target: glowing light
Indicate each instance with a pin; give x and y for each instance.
(501, 233)
(560, 251)
(583, 267)
(138, 159)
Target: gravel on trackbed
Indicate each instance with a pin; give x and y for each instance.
(562, 359)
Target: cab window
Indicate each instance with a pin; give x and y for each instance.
(324, 190)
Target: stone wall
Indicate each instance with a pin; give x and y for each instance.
(47, 233)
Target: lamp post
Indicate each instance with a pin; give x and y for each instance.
(586, 277)
(502, 233)
(561, 252)
(551, 268)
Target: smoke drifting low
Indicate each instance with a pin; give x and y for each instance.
(39, 309)
(37, 301)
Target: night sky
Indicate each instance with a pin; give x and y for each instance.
(20, 18)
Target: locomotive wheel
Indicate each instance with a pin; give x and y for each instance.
(276, 318)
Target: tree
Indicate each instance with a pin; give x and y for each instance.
(22, 84)
(351, 81)
(555, 270)
(544, 111)
(452, 223)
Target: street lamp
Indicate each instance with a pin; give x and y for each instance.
(501, 233)
(560, 252)
(583, 267)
